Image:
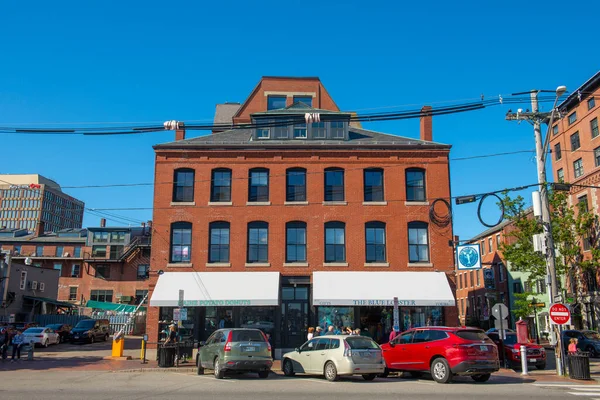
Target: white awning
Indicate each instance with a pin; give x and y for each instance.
(380, 288)
(202, 289)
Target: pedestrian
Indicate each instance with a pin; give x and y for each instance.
(573, 345)
(172, 335)
(17, 342)
(318, 331)
(330, 330)
(4, 342)
(393, 334)
(311, 334)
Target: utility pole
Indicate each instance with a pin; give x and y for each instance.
(541, 147)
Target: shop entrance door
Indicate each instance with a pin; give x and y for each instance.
(294, 315)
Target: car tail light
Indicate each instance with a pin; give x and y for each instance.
(467, 348)
(267, 341)
(347, 349)
(228, 342)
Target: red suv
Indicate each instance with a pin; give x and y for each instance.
(536, 354)
(444, 352)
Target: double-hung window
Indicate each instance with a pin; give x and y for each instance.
(295, 184)
(373, 184)
(335, 242)
(221, 185)
(418, 242)
(181, 242)
(258, 190)
(258, 242)
(219, 242)
(334, 184)
(183, 185)
(375, 242)
(295, 238)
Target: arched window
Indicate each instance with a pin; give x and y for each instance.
(220, 190)
(218, 242)
(415, 184)
(335, 242)
(183, 185)
(258, 242)
(334, 184)
(181, 242)
(375, 241)
(418, 242)
(295, 240)
(258, 185)
(295, 184)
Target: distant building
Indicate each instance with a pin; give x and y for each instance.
(575, 146)
(37, 204)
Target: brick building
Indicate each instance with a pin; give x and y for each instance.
(477, 291)
(575, 145)
(298, 224)
(108, 264)
(28, 200)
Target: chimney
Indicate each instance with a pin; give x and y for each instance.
(102, 222)
(40, 228)
(426, 124)
(180, 131)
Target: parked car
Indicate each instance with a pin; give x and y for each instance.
(235, 349)
(444, 352)
(63, 331)
(335, 356)
(586, 341)
(536, 354)
(22, 326)
(90, 330)
(41, 336)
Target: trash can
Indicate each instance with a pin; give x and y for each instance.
(166, 356)
(186, 350)
(579, 365)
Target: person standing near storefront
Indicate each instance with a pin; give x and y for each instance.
(330, 330)
(310, 333)
(17, 342)
(393, 334)
(318, 331)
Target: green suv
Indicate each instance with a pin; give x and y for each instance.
(242, 350)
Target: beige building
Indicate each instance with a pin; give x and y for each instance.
(38, 204)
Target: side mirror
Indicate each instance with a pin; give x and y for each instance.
(297, 350)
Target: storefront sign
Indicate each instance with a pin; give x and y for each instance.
(401, 303)
(30, 186)
(468, 256)
(207, 303)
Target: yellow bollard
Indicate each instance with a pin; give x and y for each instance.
(143, 352)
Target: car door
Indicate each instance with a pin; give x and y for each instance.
(52, 336)
(205, 351)
(419, 352)
(319, 355)
(304, 357)
(396, 355)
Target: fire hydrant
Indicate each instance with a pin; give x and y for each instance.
(30, 351)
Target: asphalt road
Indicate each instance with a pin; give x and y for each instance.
(64, 385)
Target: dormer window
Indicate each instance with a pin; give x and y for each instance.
(337, 129)
(300, 131)
(303, 99)
(276, 102)
(319, 131)
(262, 133)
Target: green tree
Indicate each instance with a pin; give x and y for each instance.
(522, 305)
(573, 229)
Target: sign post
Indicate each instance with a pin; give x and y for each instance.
(396, 316)
(559, 315)
(500, 312)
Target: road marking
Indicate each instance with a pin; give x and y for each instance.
(560, 384)
(315, 380)
(584, 393)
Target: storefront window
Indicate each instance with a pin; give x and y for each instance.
(336, 316)
(262, 318)
(377, 322)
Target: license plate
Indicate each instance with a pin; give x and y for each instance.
(249, 348)
(483, 348)
(76, 337)
(532, 360)
(366, 354)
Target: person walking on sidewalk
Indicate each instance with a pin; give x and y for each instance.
(573, 345)
(17, 342)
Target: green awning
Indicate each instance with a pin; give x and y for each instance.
(50, 301)
(112, 306)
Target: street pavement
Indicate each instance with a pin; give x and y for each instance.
(65, 385)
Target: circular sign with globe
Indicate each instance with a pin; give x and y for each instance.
(468, 257)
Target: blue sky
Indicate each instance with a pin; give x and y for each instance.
(77, 62)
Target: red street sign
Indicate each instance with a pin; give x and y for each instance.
(559, 314)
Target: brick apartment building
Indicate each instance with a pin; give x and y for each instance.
(107, 264)
(31, 199)
(299, 224)
(477, 291)
(575, 145)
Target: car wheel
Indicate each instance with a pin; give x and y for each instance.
(385, 374)
(416, 374)
(331, 372)
(219, 373)
(592, 351)
(199, 369)
(481, 378)
(369, 377)
(263, 374)
(288, 368)
(440, 371)
(541, 366)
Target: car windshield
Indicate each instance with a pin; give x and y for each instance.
(591, 335)
(473, 334)
(34, 330)
(86, 324)
(361, 343)
(247, 336)
(510, 339)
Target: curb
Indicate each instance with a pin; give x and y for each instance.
(156, 370)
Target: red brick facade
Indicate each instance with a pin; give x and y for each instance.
(395, 211)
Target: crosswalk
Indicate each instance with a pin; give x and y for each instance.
(591, 392)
